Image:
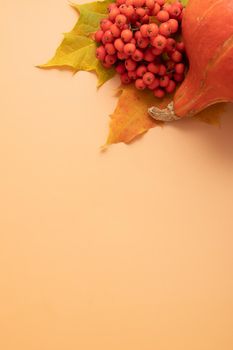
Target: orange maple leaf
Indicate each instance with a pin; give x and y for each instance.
(130, 118)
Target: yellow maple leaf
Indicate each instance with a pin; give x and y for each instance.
(77, 50)
(90, 15)
(130, 118)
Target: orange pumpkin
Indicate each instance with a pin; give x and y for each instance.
(208, 36)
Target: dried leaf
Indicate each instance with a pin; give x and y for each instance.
(77, 50)
(212, 114)
(130, 118)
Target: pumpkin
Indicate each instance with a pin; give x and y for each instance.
(207, 30)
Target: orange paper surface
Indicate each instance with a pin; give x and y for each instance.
(130, 249)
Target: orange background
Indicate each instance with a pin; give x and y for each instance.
(130, 249)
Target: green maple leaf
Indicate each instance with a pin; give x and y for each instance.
(184, 2)
(90, 16)
(77, 50)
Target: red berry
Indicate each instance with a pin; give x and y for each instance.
(174, 25)
(162, 16)
(178, 77)
(122, 56)
(155, 10)
(148, 55)
(120, 20)
(150, 4)
(179, 68)
(137, 55)
(126, 35)
(129, 2)
(145, 19)
(141, 70)
(138, 3)
(154, 85)
(98, 35)
(140, 85)
(176, 56)
(119, 45)
(129, 11)
(170, 87)
(133, 41)
(107, 37)
(110, 59)
(144, 30)
(105, 24)
(113, 13)
(132, 74)
(156, 52)
(140, 11)
(112, 6)
(164, 81)
(162, 70)
(159, 42)
(106, 65)
(166, 7)
(153, 68)
(125, 79)
(159, 93)
(122, 8)
(129, 48)
(138, 35)
(161, 2)
(175, 10)
(180, 46)
(120, 68)
(130, 64)
(120, 2)
(143, 43)
(116, 32)
(165, 29)
(152, 30)
(171, 45)
(110, 49)
(100, 53)
(148, 78)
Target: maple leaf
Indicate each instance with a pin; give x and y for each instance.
(77, 50)
(130, 118)
(90, 15)
(184, 2)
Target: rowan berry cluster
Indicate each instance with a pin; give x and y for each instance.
(139, 38)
